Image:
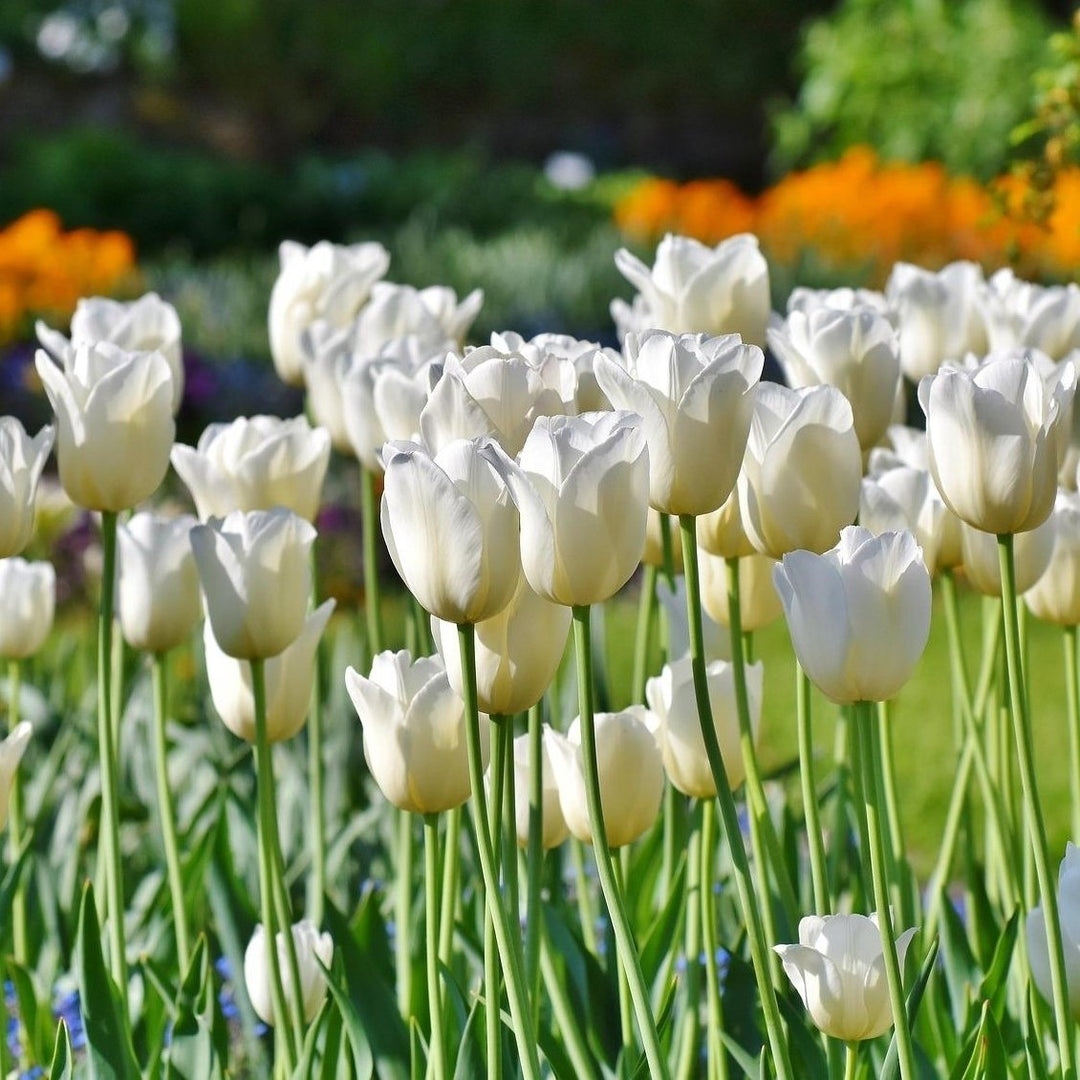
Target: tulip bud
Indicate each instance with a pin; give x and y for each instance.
(255, 570)
(256, 463)
(625, 747)
(1031, 556)
(21, 461)
(158, 600)
(289, 678)
(414, 732)
(114, 423)
(311, 947)
(1069, 914)
(1055, 596)
(553, 830)
(671, 697)
(28, 592)
(859, 615)
(11, 752)
(838, 970)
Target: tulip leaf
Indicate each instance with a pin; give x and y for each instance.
(193, 1053)
(10, 883)
(362, 1057)
(110, 1054)
(36, 1023)
(305, 1067)
(470, 1059)
(657, 944)
(1033, 1052)
(63, 1060)
(989, 1058)
(334, 1045)
(663, 1022)
(417, 1051)
(891, 1068)
(993, 985)
(744, 1060)
(961, 971)
(807, 1057)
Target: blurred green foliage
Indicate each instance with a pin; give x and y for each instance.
(917, 80)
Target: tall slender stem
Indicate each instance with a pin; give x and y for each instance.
(431, 941)
(643, 633)
(492, 980)
(851, 1060)
(17, 821)
(566, 1019)
(534, 855)
(872, 799)
(620, 923)
(728, 815)
(316, 769)
(451, 866)
(687, 1063)
(1033, 811)
(899, 872)
(717, 1053)
(507, 940)
(110, 796)
(369, 533)
(403, 897)
(626, 1002)
(166, 813)
(815, 841)
(1072, 693)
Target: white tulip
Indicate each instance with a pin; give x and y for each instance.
(310, 946)
(148, 324)
(582, 488)
(721, 532)
(671, 697)
(626, 748)
(906, 498)
(432, 315)
(1032, 551)
(799, 484)
(696, 396)
(114, 423)
(451, 527)
(1021, 314)
(11, 752)
(838, 969)
(22, 460)
(289, 678)
(255, 463)
(414, 732)
(716, 639)
(808, 300)
(997, 437)
(859, 615)
(255, 570)
(553, 829)
(695, 289)
(1055, 596)
(653, 555)
(543, 348)
(157, 589)
(327, 281)
(27, 604)
(855, 351)
(1069, 915)
(759, 603)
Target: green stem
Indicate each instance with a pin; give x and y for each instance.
(620, 923)
(586, 911)
(1022, 735)
(166, 812)
(851, 1061)
(403, 897)
(369, 533)
(717, 1053)
(110, 795)
(508, 941)
(626, 1005)
(886, 780)
(492, 980)
(814, 839)
(437, 1048)
(686, 1066)
(873, 797)
(450, 868)
(565, 1016)
(729, 817)
(263, 779)
(509, 860)
(643, 633)
(1072, 689)
(317, 770)
(534, 855)
(17, 822)
(667, 549)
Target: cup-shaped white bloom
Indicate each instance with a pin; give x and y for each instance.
(696, 396)
(938, 313)
(1055, 596)
(451, 527)
(807, 300)
(799, 484)
(838, 968)
(255, 463)
(582, 487)
(157, 590)
(716, 640)
(518, 651)
(1021, 314)
(631, 775)
(11, 752)
(695, 289)
(327, 281)
(27, 604)
(21, 461)
(1031, 556)
(114, 423)
(486, 392)
(311, 947)
(414, 732)
(1069, 915)
(855, 351)
(671, 697)
(906, 498)
(859, 615)
(588, 397)
(553, 830)
(148, 324)
(997, 436)
(721, 532)
(653, 554)
(759, 603)
(431, 315)
(255, 570)
(903, 445)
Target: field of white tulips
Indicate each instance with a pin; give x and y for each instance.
(415, 841)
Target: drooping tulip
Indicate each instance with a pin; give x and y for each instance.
(838, 969)
(311, 947)
(696, 396)
(289, 678)
(1055, 596)
(22, 459)
(255, 570)
(115, 425)
(11, 752)
(414, 732)
(859, 615)
(553, 829)
(27, 604)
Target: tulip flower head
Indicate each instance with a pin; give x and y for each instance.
(21, 461)
(553, 830)
(1069, 914)
(1022, 315)
(28, 590)
(11, 752)
(1032, 551)
(838, 969)
(1055, 596)
(432, 315)
(907, 498)
(312, 948)
(759, 602)
(859, 615)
